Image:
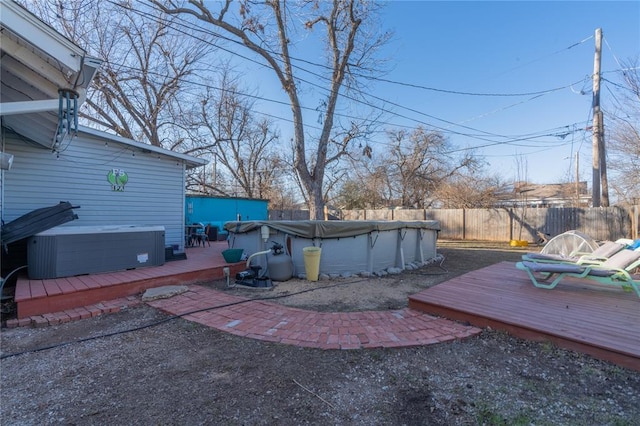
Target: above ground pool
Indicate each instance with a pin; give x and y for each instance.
(347, 247)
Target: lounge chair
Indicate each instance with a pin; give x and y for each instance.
(614, 271)
(598, 256)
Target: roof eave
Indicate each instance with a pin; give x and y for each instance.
(33, 30)
(189, 161)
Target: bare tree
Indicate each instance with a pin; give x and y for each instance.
(418, 169)
(360, 194)
(420, 161)
(624, 136)
(268, 29)
(470, 190)
(141, 89)
(241, 147)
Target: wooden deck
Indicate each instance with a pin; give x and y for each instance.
(37, 297)
(603, 322)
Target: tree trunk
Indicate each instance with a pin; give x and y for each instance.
(316, 203)
(266, 33)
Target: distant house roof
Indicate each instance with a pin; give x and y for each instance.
(551, 190)
(546, 194)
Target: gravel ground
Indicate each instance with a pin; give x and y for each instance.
(98, 371)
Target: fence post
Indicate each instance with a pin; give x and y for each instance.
(464, 224)
(510, 224)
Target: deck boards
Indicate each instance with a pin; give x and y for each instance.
(602, 321)
(37, 297)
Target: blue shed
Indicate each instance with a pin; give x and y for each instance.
(218, 210)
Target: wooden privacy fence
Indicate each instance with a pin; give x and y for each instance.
(504, 224)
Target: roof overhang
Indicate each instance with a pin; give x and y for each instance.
(36, 62)
(33, 30)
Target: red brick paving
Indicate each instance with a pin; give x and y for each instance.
(74, 314)
(272, 322)
(324, 330)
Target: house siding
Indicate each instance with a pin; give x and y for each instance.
(153, 195)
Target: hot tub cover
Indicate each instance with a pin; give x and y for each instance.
(329, 229)
(36, 221)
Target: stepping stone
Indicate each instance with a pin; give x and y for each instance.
(163, 292)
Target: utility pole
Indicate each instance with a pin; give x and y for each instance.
(604, 184)
(577, 180)
(597, 122)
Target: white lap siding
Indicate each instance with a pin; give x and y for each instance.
(78, 173)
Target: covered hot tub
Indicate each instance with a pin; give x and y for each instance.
(66, 251)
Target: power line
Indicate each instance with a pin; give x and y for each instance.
(442, 129)
(619, 86)
(455, 92)
(510, 139)
(188, 24)
(215, 34)
(615, 58)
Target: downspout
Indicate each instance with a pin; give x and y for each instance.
(82, 91)
(75, 83)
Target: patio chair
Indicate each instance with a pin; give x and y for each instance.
(198, 235)
(598, 256)
(614, 271)
(202, 236)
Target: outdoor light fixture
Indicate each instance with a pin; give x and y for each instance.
(6, 160)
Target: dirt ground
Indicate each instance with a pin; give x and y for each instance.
(135, 367)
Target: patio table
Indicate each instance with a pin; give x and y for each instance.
(190, 230)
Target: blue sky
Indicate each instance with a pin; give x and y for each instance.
(497, 48)
(509, 48)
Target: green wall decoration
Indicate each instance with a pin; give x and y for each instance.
(118, 178)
